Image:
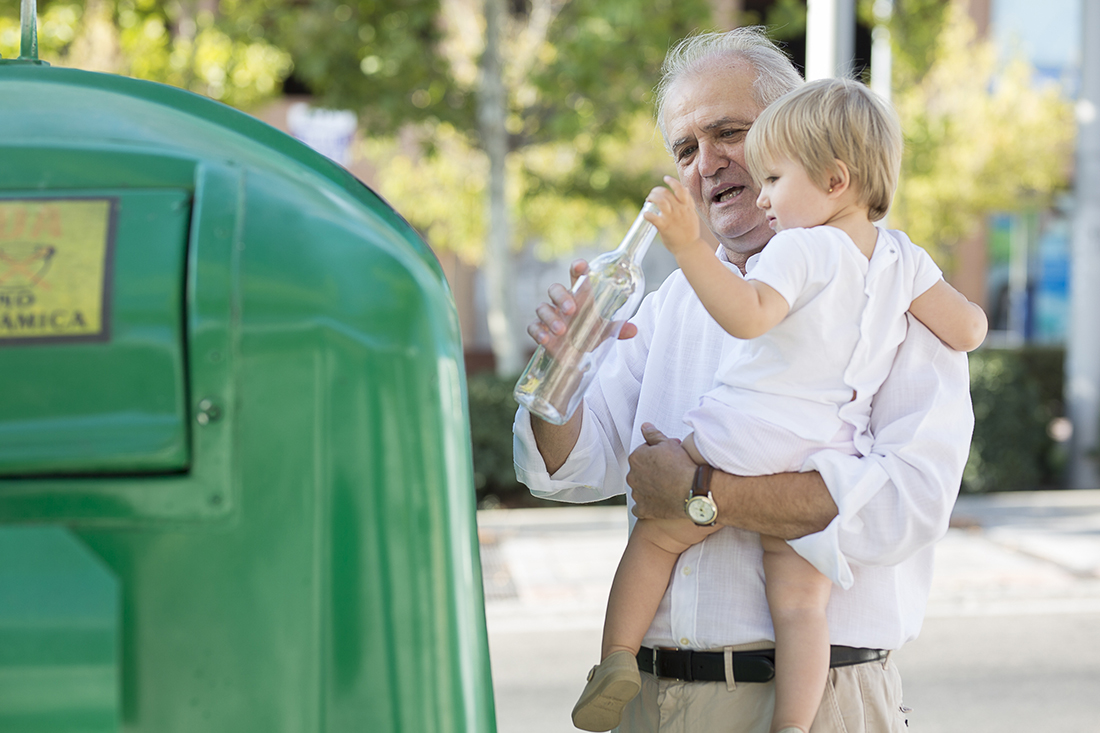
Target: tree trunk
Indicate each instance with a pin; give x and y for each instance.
(497, 267)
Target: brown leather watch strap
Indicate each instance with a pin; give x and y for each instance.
(701, 485)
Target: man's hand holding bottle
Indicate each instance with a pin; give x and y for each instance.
(554, 317)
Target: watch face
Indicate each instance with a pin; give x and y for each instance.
(701, 510)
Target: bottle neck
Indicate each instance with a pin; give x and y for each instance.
(640, 235)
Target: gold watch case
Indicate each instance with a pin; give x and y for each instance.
(700, 506)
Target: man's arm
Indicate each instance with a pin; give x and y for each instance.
(556, 442)
(786, 505)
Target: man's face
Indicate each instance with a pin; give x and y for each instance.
(707, 115)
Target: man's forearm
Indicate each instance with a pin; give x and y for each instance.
(556, 442)
(786, 505)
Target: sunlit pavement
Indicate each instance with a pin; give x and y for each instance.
(1011, 641)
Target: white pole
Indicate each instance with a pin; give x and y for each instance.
(882, 57)
(830, 38)
(1082, 391)
(882, 62)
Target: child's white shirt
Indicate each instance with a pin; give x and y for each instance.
(846, 321)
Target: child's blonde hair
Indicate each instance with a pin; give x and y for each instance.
(828, 120)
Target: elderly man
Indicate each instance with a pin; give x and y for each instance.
(706, 660)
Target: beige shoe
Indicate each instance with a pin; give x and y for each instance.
(611, 685)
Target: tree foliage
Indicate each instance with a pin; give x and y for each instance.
(583, 153)
(915, 27)
(190, 44)
(980, 137)
(378, 57)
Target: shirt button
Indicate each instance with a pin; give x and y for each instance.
(687, 570)
(685, 641)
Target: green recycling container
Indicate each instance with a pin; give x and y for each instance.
(235, 476)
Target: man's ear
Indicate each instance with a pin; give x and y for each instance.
(839, 179)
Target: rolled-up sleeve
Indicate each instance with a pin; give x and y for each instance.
(583, 477)
(898, 500)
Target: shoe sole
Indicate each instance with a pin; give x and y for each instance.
(603, 710)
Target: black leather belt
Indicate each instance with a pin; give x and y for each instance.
(755, 666)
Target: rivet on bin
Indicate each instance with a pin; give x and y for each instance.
(208, 412)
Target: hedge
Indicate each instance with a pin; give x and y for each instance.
(1016, 393)
(492, 411)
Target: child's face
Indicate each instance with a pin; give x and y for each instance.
(790, 199)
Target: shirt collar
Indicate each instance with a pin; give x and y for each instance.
(724, 257)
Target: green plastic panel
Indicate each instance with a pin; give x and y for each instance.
(91, 331)
(314, 568)
(60, 635)
(206, 489)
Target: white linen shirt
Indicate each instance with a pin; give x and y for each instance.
(820, 366)
(892, 504)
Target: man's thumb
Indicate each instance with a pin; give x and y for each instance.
(651, 434)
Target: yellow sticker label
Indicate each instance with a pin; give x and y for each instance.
(55, 269)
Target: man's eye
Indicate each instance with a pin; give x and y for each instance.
(685, 152)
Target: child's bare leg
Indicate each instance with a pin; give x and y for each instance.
(688, 444)
(636, 592)
(639, 584)
(642, 577)
(643, 574)
(797, 595)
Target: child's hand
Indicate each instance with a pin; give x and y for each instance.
(678, 223)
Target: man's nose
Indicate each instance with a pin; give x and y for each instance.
(712, 158)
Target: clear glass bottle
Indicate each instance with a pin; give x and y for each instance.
(557, 376)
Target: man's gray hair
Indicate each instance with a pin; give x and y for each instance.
(775, 74)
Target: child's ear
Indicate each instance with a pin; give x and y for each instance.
(840, 179)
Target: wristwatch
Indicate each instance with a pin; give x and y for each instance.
(700, 504)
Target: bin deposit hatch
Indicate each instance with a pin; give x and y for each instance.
(91, 331)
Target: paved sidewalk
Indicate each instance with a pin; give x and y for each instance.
(1023, 564)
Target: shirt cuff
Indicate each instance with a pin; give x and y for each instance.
(576, 481)
(861, 479)
(822, 550)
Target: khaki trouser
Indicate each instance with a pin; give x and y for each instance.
(862, 698)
